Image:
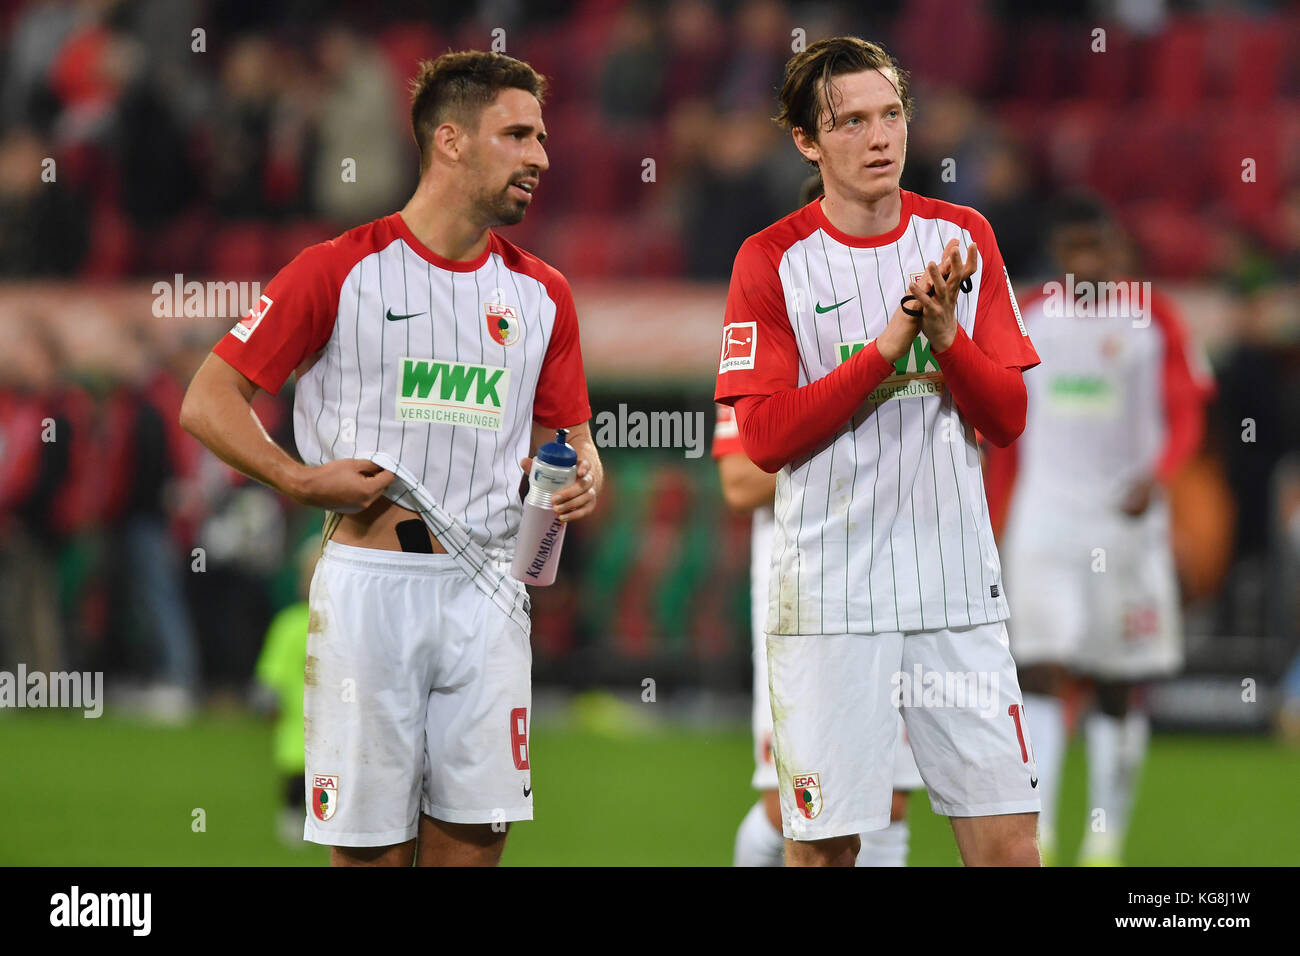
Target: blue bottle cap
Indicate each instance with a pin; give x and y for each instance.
(558, 452)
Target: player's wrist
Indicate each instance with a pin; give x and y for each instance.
(943, 339)
(892, 344)
(292, 478)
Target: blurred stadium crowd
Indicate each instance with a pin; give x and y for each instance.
(211, 139)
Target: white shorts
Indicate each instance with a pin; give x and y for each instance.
(835, 702)
(417, 699)
(1117, 620)
(906, 775)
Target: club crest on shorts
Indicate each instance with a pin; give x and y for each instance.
(502, 322)
(324, 795)
(808, 793)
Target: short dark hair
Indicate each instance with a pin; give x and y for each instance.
(458, 85)
(810, 72)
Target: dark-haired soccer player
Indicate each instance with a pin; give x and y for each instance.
(1118, 409)
(431, 356)
(885, 579)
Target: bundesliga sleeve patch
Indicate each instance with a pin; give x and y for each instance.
(1015, 306)
(249, 323)
(739, 342)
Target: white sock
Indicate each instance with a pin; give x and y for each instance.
(887, 847)
(1116, 751)
(1045, 714)
(757, 843)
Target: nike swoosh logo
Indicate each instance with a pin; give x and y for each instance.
(398, 318)
(830, 308)
(528, 791)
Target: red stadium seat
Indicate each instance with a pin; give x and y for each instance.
(1172, 241)
(112, 244)
(1255, 135)
(1109, 77)
(293, 238)
(244, 251)
(406, 44)
(1177, 61)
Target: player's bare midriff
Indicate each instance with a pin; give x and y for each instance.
(376, 527)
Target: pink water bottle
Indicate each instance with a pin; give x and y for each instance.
(537, 553)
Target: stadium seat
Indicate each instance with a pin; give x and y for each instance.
(242, 251)
(294, 237)
(1176, 60)
(1172, 241)
(1108, 78)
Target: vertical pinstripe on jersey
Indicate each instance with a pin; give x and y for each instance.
(853, 442)
(474, 478)
(871, 541)
(937, 523)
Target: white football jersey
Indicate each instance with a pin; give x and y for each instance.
(441, 365)
(885, 526)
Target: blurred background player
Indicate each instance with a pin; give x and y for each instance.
(748, 489)
(1118, 410)
(279, 687)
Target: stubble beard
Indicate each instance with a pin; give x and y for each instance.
(498, 208)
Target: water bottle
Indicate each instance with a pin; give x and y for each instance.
(537, 553)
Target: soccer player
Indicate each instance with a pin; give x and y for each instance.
(431, 355)
(748, 489)
(1116, 412)
(885, 574)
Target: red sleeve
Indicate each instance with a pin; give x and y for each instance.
(726, 434)
(989, 395)
(998, 329)
(1184, 393)
(561, 399)
(293, 320)
(759, 355)
(779, 428)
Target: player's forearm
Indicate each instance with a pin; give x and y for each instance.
(990, 396)
(776, 429)
(224, 421)
(585, 446)
(745, 486)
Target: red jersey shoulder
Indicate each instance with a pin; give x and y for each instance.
(1168, 318)
(520, 260)
(337, 256)
(772, 242)
(968, 218)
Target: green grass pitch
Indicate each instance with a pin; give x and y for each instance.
(115, 792)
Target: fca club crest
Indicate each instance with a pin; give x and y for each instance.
(324, 795)
(808, 794)
(502, 322)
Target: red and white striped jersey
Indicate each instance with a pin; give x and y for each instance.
(442, 365)
(885, 526)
